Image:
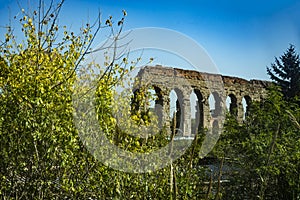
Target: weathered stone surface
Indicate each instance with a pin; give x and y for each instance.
(184, 82)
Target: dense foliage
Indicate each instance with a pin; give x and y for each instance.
(43, 157)
(263, 153)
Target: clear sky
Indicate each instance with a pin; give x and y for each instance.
(242, 37)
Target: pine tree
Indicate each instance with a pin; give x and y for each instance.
(286, 72)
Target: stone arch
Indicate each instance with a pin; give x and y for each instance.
(231, 104)
(176, 110)
(215, 104)
(168, 78)
(246, 102)
(158, 103)
(197, 118)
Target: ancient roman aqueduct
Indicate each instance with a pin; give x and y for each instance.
(185, 82)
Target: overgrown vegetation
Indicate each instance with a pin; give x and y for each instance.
(42, 156)
(263, 152)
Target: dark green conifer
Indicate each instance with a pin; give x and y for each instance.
(286, 72)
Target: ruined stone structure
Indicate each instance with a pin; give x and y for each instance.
(203, 85)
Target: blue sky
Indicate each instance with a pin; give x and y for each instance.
(242, 37)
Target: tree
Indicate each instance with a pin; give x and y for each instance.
(42, 156)
(286, 72)
(263, 152)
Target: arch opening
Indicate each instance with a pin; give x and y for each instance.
(246, 102)
(231, 105)
(145, 100)
(158, 101)
(214, 104)
(176, 115)
(196, 100)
